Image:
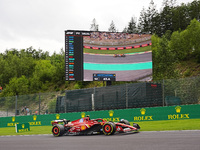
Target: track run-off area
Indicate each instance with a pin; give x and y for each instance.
(145, 140)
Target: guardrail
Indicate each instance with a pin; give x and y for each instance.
(117, 48)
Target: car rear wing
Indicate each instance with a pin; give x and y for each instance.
(60, 121)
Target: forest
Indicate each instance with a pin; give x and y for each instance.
(175, 33)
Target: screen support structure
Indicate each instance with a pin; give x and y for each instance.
(108, 83)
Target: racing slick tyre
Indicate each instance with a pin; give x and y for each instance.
(124, 122)
(109, 128)
(136, 125)
(58, 130)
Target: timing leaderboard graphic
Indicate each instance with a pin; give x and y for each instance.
(107, 56)
(74, 54)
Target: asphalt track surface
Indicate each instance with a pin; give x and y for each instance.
(130, 75)
(169, 140)
(136, 58)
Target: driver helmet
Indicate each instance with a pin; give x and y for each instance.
(88, 116)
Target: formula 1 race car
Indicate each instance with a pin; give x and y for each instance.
(85, 126)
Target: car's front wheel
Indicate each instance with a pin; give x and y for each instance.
(109, 128)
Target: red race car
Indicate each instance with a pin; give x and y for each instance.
(87, 126)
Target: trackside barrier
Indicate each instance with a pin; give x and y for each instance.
(117, 48)
(133, 115)
(22, 127)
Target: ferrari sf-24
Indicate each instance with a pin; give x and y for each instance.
(87, 126)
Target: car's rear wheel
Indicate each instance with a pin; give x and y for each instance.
(109, 128)
(58, 130)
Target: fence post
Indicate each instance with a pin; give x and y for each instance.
(175, 93)
(93, 109)
(93, 104)
(126, 95)
(16, 106)
(39, 103)
(163, 93)
(66, 103)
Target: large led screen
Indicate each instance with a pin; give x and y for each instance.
(107, 56)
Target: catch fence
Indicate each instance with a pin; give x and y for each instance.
(39, 103)
(133, 95)
(111, 97)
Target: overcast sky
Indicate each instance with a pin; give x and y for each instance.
(41, 23)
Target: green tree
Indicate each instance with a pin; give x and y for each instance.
(194, 10)
(58, 61)
(17, 86)
(94, 26)
(112, 27)
(178, 45)
(163, 58)
(155, 25)
(149, 19)
(171, 17)
(180, 17)
(166, 16)
(132, 26)
(152, 17)
(143, 22)
(15, 64)
(125, 30)
(10, 67)
(42, 76)
(185, 44)
(192, 36)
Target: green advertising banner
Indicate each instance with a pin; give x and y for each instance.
(22, 127)
(132, 115)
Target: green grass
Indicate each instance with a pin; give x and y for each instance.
(188, 68)
(125, 51)
(190, 124)
(33, 130)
